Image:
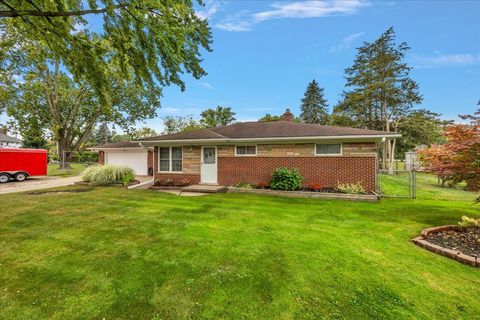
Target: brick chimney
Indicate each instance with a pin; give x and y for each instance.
(287, 115)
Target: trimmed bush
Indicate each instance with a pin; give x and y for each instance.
(353, 188)
(108, 174)
(286, 179)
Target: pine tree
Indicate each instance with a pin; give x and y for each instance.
(314, 105)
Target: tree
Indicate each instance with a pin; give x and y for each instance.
(150, 42)
(32, 132)
(268, 117)
(101, 135)
(133, 134)
(178, 124)
(314, 106)
(68, 107)
(458, 160)
(381, 92)
(221, 116)
(420, 127)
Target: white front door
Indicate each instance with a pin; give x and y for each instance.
(208, 166)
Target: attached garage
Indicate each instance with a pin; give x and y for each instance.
(130, 154)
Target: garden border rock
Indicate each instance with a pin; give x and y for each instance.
(449, 253)
(308, 194)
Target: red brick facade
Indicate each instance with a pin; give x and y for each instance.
(357, 164)
(150, 163)
(101, 157)
(327, 171)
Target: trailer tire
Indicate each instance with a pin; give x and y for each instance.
(4, 177)
(20, 176)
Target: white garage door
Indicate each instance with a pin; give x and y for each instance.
(136, 160)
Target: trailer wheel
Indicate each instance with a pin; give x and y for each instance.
(20, 176)
(4, 177)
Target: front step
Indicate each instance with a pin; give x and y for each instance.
(204, 188)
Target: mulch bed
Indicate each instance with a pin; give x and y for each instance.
(465, 240)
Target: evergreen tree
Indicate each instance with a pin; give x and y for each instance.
(314, 106)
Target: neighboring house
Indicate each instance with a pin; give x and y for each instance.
(251, 151)
(7, 141)
(131, 154)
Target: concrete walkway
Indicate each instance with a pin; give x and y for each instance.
(36, 183)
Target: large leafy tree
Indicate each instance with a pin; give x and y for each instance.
(174, 124)
(143, 132)
(150, 42)
(381, 93)
(220, 116)
(314, 105)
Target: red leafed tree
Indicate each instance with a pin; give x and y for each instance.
(458, 160)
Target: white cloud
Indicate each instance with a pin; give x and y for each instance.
(346, 42)
(294, 10)
(442, 60)
(206, 85)
(209, 10)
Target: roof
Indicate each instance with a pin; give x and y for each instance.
(6, 138)
(270, 130)
(118, 145)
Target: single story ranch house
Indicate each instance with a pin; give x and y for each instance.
(251, 151)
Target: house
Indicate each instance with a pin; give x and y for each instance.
(7, 141)
(131, 154)
(251, 151)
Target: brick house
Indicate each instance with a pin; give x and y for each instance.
(251, 151)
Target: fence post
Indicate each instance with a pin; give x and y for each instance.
(414, 183)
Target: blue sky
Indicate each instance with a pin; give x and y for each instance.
(265, 53)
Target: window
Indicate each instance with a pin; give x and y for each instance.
(170, 159)
(328, 149)
(245, 150)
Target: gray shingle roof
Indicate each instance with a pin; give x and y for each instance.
(271, 129)
(4, 137)
(118, 145)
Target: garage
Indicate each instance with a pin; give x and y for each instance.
(130, 154)
(137, 160)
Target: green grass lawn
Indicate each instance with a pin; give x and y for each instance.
(141, 254)
(75, 170)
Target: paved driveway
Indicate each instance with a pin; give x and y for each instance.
(35, 183)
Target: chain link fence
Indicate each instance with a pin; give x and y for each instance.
(397, 183)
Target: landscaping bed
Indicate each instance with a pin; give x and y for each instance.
(461, 244)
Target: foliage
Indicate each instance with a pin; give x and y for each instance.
(351, 187)
(381, 92)
(458, 160)
(148, 42)
(243, 185)
(314, 105)
(268, 117)
(101, 135)
(108, 174)
(85, 156)
(174, 124)
(220, 116)
(420, 127)
(286, 179)
(32, 132)
(469, 222)
(133, 134)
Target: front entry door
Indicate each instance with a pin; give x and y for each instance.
(208, 167)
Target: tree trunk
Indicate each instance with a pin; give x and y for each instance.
(64, 153)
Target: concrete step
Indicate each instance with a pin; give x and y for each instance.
(204, 188)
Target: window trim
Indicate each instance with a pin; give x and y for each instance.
(169, 159)
(246, 155)
(327, 154)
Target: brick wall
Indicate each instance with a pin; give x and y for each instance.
(150, 162)
(101, 157)
(327, 171)
(191, 166)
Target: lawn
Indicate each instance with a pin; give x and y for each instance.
(55, 170)
(140, 254)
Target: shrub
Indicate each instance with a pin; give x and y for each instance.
(351, 187)
(166, 182)
(243, 185)
(315, 186)
(262, 185)
(469, 222)
(108, 174)
(286, 179)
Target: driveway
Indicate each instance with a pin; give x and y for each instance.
(35, 183)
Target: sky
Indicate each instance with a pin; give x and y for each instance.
(265, 53)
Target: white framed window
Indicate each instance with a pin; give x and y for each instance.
(328, 149)
(170, 159)
(246, 150)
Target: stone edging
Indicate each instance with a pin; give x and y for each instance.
(449, 253)
(307, 194)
